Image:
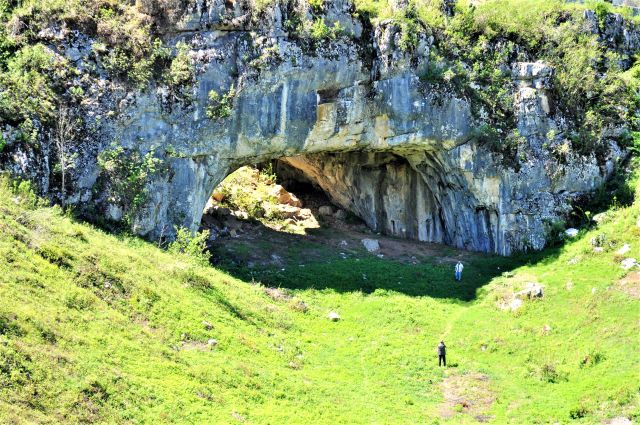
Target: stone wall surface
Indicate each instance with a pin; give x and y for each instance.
(353, 116)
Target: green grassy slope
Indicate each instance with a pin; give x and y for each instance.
(98, 328)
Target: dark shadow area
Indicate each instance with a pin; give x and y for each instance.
(333, 257)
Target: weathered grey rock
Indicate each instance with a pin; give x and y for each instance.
(571, 232)
(372, 245)
(515, 304)
(623, 249)
(628, 263)
(333, 316)
(325, 210)
(340, 214)
(533, 290)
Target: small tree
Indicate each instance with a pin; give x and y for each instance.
(65, 132)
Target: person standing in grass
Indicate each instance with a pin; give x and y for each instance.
(458, 270)
(442, 354)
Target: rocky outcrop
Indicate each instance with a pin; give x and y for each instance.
(350, 114)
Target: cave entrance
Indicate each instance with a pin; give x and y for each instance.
(271, 197)
(410, 196)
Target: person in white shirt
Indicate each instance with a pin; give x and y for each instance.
(458, 270)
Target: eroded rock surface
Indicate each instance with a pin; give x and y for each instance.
(350, 114)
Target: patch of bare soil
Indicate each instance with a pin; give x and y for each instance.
(630, 285)
(467, 394)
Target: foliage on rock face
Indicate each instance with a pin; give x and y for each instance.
(27, 83)
(474, 42)
(126, 174)
(34, 78)
(181, 71)
(220, 106)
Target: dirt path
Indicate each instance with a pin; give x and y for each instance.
(467, 394)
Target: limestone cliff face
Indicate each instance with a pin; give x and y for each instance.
(353, 116)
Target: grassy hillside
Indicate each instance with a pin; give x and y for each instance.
(99, 328)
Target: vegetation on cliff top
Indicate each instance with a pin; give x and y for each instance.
(597, 89)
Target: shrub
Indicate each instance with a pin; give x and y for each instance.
(549, 373)
(79, 300)
(318, 30)
(592, 359)
(27, 85)
(316, 5)
(220, 106)
(191, 244)
(267, 175)
(15, 366)
(181, 71)
(578, 412)
(9, 326)
(127, 173)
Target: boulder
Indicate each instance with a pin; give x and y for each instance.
(277, 294)
(624, 249)
(209, 207)
(340, 214)
(601, 218)
(305, 213)
(114, 212)
(620, 420)
(242, 215)
(325, 210)
(286, 211)
(629, 263)
(212, 342)
(533, 290)
(372, 245)
(284, 197)
(333, 316)
(218, 195)
(233, 223)
(571, 232)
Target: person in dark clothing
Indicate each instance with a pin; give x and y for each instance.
(442, 354)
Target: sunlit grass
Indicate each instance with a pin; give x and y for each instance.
(100, 328)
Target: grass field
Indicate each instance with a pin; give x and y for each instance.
(99, 328)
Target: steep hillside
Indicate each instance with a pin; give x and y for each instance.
(99, 328)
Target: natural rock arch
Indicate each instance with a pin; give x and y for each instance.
(352, 114)
(402, 158)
